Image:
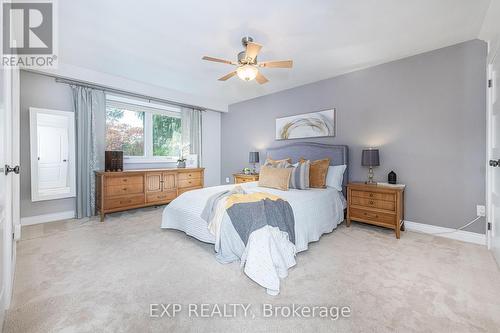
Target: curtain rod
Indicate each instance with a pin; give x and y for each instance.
(125, 92)
(108, 89)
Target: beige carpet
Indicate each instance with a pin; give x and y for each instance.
(92, 277)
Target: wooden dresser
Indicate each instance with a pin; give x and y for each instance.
(380, 204)
(244, 178)
(118, 191)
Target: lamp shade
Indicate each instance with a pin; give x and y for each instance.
(253, 157)
(370, 158)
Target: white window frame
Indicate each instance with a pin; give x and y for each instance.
(57, 193)
(154, 108)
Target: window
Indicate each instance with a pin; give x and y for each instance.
(146, 132)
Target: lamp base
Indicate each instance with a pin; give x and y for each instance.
(370, 180)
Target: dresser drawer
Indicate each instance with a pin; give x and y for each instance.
(112, 181)
(188, 189)
(189, 175)
(132, 200)
(189, 182)
(374, 217)
(161, 196)
(124, 189)
(381, 204)
(373, 195)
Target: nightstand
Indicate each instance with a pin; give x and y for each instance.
(244, 178)
(381, 204)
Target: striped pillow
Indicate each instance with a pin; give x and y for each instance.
(299, 179)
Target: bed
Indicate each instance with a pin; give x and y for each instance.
(316, 211)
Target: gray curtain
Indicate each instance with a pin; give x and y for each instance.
(191, 132)
(90, 108)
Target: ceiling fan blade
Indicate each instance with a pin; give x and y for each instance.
(261, 78)
(219, 60)
(252, 51)
(277, 64)
(227, 76)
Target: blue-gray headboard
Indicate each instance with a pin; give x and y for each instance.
(338, 154)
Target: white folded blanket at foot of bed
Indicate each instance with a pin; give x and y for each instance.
(266, 258)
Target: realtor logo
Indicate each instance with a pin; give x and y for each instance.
(28, 38)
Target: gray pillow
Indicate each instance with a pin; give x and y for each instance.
(299, 179)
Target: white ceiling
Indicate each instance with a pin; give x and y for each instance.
(161, 42)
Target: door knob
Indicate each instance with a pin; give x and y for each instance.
(494, 163)
(9, 169)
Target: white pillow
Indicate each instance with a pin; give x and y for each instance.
(335, 176)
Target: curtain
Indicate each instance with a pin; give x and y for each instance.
(191, 132)
(90, 109)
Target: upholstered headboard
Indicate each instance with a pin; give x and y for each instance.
(338, 154)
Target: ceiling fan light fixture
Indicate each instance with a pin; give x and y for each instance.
(247, 72)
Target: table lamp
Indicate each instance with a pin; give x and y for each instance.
(370, 158)
(253, 159)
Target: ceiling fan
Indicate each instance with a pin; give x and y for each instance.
(247, 65)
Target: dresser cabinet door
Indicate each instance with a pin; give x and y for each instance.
(153, 182)
(169, 182)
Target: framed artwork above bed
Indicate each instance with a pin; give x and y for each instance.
(307, 125)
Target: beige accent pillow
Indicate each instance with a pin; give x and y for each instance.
(317, 173)
(277, 163)
(275, 177)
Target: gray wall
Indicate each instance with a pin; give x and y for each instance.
(426, 113)
(43, 92)
(40, 92)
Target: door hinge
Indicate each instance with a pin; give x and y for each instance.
(490, 83)
(489, 225)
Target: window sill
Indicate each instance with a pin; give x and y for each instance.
(147, 161)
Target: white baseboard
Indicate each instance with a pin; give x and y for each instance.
(465, 236)
(48, 218)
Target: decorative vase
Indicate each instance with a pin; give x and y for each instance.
(181, 164)
(392, 178)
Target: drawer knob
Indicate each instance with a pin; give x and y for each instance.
(189, 175)
(371, 202)
(371, 195)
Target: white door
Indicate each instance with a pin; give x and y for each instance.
(52, 152)
(493, 168)
(8, 204)
(4, 200)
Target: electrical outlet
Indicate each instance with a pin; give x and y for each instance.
(227, 179)
(480, 210)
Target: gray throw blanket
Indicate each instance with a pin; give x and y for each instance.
(250, 216)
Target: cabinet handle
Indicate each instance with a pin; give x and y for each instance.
(124, 179)
(189, 175)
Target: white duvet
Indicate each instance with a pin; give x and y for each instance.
(267, 256)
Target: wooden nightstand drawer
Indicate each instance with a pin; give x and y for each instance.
(373, 216)
(381, 204)
(374, 195)
(244, 178)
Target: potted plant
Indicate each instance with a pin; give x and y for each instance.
(181, 162)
